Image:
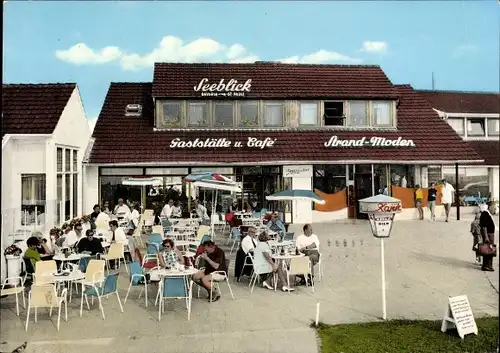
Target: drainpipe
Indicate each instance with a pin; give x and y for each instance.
(457, 194)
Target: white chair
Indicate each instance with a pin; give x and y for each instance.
(16, 290)
(221, 276)
(157, 229)
(257, 272)
(138, 237)
(299, 266)
(45, 296)
(116, 252)
(43, 268)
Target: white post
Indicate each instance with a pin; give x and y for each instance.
(382, 264)
(317, 314)
(36, 219)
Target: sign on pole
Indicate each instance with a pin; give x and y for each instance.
(459, 315)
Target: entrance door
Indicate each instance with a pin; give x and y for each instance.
(362, 189)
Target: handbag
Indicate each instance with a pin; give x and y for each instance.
(487, 249)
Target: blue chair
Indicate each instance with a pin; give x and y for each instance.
(165, 223)
(174, 288)
(136, 274)
(263, 211)
(256, 215)
(157, 239)
(109, 286)
(152, 248)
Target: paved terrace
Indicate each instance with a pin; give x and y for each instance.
(425, 263)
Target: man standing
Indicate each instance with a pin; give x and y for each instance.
(447, 191)
(431, 200)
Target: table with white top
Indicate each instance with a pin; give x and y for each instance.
(286, 256)
(277, 244)
(70, 258)
(73, 276)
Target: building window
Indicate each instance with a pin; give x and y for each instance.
(493, 127)
(475, 127)
(457, 124)
(382, 113)
(197, 114)
(472, 182)
(59, 159)
(329, 178)
(308, 113)
(249, 113)
(334, 114)
(172, 113)
(357, 113)
(33, 199)
(223, 114)
(67, 184)
(273, 114)
(434, 174)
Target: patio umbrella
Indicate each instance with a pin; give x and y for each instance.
(213, 181)
(296, 195)
(143, 182)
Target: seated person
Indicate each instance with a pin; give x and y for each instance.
(214, 260)
(170, 257)
(43, 249)
(276, 225)
(176, 210)
(308, 243)
(31, 253)
(248, 243)
(70, 237)
(118, 236)
(90, 244)
(264, 264)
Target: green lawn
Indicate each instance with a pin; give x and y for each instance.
(407, 337)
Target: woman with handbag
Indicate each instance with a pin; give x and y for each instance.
(488, 248)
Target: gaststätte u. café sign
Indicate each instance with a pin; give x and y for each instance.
(375, 141)
(223, 88)
(252, 142)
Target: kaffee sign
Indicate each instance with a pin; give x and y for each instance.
(223, 88)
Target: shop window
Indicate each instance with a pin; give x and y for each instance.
(273, 114)
(308, 113)
(59, 198)
(197, 114)
(382, 113)
(33, 200)
(493, 127)
(457, 124)
(75, 160)
(249, 113)
(402, 175)
(434, 174)
(67, 160)
(223, 114)
(172, 113)
(329, 178)
(358, 113)
(381, 180)
(475, 127)
(472, 182)
(333, 114)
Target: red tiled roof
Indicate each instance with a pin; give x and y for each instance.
(276, 80)
(33, 108)
(487, 150)
(463, 102)
(132, 140)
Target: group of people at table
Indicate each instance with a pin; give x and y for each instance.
(82, 238)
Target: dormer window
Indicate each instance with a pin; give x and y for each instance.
(382, 113)
(333, 114)
(457, 124)
(475, 127)
(358, 113)
(133, 110)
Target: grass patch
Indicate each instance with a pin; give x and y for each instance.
(401, 336)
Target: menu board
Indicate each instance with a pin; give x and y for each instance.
(459, 314)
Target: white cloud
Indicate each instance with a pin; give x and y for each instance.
(92, 122)
(80, 54)
(320, 57)
(374, 47)
(173, 49)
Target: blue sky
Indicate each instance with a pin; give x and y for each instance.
(94, 43)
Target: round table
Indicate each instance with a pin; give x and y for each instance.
(72, 257)
(286, 256)
(73, 276)
(276, 244)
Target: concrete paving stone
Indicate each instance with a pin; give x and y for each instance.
(425, 263)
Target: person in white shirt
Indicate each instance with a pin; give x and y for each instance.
(133, 217)
(248, 243)
(308, 244)
(118, 236)
(447, 191)
(166, 212)
(70, 237)
(177, 210)
(201, 211)
(121, 209)
(264, 264)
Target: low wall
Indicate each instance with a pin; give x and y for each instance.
(321, 217)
